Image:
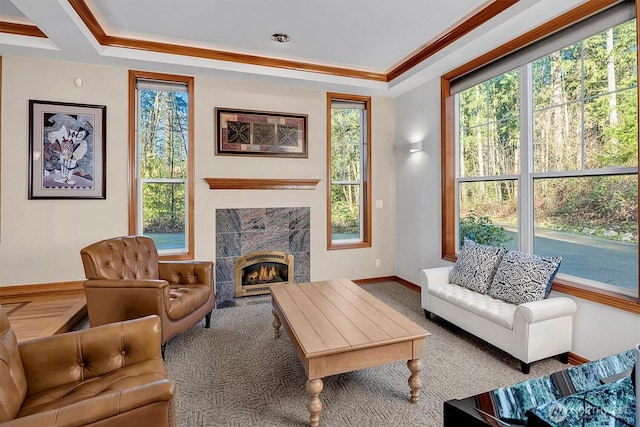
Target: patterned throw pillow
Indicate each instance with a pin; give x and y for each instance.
(523, 277)
(476, 266)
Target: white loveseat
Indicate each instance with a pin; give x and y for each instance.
(529, 331)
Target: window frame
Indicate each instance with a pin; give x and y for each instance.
(134, 180)
(449, 150)
(365, 208)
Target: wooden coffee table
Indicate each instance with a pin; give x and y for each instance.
(336, 327)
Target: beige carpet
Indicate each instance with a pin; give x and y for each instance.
(237, 374)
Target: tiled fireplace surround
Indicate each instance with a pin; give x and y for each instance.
(242, 231)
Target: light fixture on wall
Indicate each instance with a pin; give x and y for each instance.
(415, 147)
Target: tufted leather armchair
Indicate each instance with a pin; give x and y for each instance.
(105, 376)
(125, 280)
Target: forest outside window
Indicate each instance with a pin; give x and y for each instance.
(161, 149)
(348, 170)
(547, 159)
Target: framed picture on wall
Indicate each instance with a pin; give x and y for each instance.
(67, 157)
(260, 133)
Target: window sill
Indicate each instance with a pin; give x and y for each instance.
(350, 245)
(599, 296)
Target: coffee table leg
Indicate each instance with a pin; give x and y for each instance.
(276, 323)
(314, 405)
(415, 366)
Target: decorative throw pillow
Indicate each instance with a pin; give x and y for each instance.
(476, 266)
(523, 277)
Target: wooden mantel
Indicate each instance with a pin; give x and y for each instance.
(261, 184)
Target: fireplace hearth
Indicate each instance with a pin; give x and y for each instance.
(256, 271)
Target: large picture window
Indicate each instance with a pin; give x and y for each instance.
(348, 170)
(545, 156)
(162, 191)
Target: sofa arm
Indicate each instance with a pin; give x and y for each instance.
(550, 308)
(103, 407)
(76, 356)
(186, 272)
(430, 277)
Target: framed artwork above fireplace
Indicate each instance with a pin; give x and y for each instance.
(260, 133)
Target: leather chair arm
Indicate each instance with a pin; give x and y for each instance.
(126, 283)
(100, 407)
(76, 356)
(186, 272)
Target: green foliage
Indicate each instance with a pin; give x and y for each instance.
(597, 203)
(162, 154)
(346, 153)
(482, 231)
(585, 117)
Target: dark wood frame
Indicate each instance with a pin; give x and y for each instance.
(447, 125)
(38, 149)
(270, 120)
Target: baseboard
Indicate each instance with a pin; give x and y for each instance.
(574, 359)
(408, 284)
(373, 280)
(41, 288)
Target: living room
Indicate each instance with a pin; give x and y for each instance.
(40, 240)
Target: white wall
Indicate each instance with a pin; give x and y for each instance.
(598, 330)
(40, 240)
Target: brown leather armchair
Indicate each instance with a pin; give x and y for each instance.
(125, 280)
(105, 376)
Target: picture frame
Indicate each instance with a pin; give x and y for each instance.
(67, 150)
(260, 133)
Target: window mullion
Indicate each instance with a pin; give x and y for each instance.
(525, 203)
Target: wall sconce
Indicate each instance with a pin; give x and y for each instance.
(415, 147)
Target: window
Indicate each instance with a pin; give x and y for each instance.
(543, 157)
(161, 152)
(348, 171)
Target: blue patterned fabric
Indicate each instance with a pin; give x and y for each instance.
(523, 277)
(476, 266)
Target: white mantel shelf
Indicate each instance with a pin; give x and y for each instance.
(261, 184)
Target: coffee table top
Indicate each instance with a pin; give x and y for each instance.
(335, 316)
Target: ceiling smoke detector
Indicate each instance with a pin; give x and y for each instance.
(280, 37)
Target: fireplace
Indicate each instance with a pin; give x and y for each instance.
(256, 271)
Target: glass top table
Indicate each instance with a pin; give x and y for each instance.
(594, 393)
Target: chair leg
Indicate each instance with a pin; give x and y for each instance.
(427, 314)
(525, 367)
(564, 357)
(207, 319)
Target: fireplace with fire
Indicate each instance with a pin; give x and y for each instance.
(256, 271)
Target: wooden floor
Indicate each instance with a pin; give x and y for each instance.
(41, 315)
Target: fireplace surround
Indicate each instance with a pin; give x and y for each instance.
(242, 231)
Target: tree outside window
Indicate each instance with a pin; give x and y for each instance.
(348, 152)
(547, 159)
(162, 152)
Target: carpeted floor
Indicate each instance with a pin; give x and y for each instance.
(237, 374)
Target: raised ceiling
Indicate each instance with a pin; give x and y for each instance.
(361, 45)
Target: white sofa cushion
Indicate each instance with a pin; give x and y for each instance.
(482, 305)
(523, 277)
(476, 265)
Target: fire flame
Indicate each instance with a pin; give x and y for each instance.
(266, 274)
